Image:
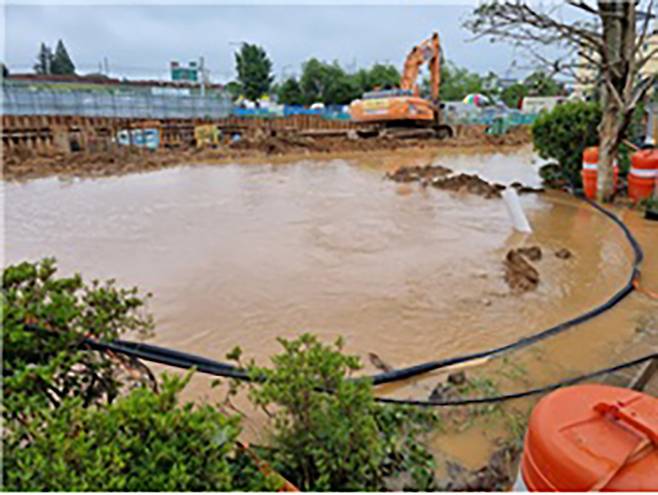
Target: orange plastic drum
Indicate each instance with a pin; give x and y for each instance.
(589, 173)
(643, 173)
(592, 437)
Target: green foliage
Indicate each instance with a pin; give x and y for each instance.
(563, 134)
(144, 441)
(77, 419)
(44, 60)
(327, 83)
(330, 84)
(290, 92)
(42, 369)
(342, 440)
(512, 95)
(541, 84)
(233, 88)
(62, 63)
(5, 70)
(380, 76)
(458, 82)
(254, 70)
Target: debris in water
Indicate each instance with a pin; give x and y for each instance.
(497, 475)
(457, 378)
(563, 254)
(378, 363)
(523, 189)
(533, 253)
(520, 275)
(451, 389)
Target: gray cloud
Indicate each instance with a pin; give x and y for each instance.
(139, 41)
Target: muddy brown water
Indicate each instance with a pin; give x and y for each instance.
(242, 254)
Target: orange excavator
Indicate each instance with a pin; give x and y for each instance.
(402, 111)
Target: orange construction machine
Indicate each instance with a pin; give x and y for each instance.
(397, 111)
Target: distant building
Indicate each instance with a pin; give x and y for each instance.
(586, 72)
(100, 82)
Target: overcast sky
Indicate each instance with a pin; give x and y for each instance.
(139, 41)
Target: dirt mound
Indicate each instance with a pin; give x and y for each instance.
(520, 275)
(471, 184)
(443, 178)
(414, 174)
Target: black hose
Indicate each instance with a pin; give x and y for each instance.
(519, 395)
(184, 360)
(188, 361)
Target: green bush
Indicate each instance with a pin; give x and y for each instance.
(343, 441)
(562, 134)
(143, 441)
(41, 369)
(77, 419)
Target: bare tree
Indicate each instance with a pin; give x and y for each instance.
(599, 42)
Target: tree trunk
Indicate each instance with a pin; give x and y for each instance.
(608, 148)
(618, 20)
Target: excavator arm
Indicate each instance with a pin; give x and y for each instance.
(427, 52)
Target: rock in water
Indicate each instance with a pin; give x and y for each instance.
(563, 254)
(520, 275)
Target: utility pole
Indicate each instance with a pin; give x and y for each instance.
(202, 70)
(106, 64)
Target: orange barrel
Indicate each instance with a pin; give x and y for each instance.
(643, 173)
(590, 169)
(591, 438)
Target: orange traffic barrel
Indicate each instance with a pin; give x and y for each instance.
(589, 173)
(591, 438)
(643, 173)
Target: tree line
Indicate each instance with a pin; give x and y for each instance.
(57, 62)
(330, 84)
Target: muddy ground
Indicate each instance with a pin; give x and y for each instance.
(27, 164)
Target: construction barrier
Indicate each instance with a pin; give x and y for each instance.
(591, 438)
(643, 174)
(589, 172)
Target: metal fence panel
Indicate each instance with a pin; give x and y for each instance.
(18, 100)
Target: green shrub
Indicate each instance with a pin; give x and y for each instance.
(562, 134)
(41, 369)
(143, 441)
(343, 441)
(76, 419)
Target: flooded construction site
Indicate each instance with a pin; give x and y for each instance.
(240, 254)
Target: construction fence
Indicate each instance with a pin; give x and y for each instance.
(24, 100)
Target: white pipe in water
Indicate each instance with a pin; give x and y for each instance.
(516, 213)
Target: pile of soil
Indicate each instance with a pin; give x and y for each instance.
(426, 173)
(520, 275)
(442, 178)
(471, 184)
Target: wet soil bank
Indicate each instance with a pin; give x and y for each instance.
(27, 165)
